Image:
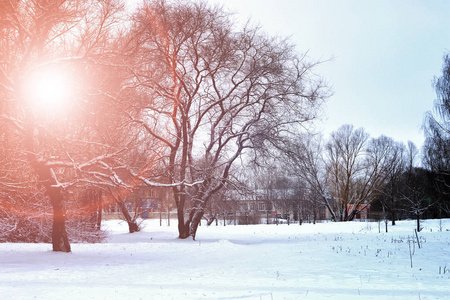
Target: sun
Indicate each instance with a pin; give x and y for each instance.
(49, 88)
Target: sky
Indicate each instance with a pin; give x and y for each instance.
(379, 57)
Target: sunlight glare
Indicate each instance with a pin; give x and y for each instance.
(49, 89)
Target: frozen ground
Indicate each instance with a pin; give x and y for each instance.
(323, 261)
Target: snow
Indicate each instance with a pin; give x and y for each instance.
(350, 260)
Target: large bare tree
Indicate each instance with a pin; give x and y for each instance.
(357, 169)
(210, 90)
(62, 51)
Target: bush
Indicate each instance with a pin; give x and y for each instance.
(31, 221)
(22, 229)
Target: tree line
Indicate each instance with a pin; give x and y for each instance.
(349, 172)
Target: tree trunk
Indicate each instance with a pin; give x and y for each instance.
(350, 216)
(418, 222)
(60, 240)
(210, 220)
(331, 211)
(93, 202)
(99, 213)
(183, 230)
(47, 179)
(132, 225)
(393, 217)
(183, 227)
(197, 217)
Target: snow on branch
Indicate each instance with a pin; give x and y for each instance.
(158, 184)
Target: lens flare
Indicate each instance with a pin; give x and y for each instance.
(49, 89)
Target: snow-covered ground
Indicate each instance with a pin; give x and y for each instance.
(323, 261)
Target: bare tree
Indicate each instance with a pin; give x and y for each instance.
(211, 90)
(305, 159)
(416, 193)
(357, 169)
(412, 154)
(437, 132)
(346, 169)
(27, 28)
(391, 198)
(62, 144)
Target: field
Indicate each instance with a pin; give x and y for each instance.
(353, 260)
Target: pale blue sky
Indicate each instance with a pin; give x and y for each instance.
(385, 55)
